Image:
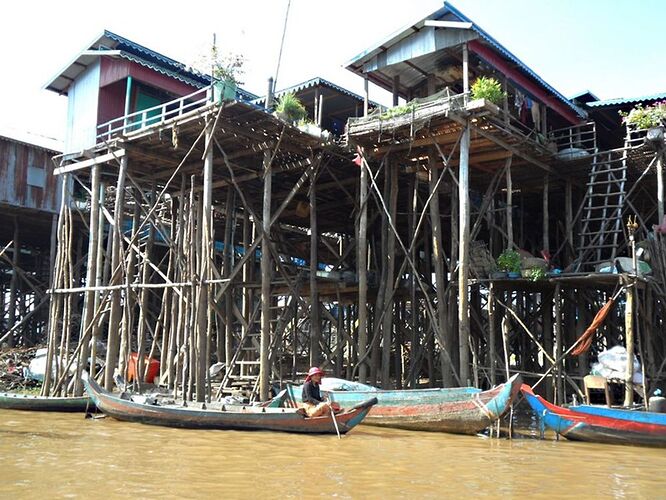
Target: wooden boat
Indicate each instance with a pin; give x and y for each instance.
(599, 424)
(229, 417)
(13, 401)
(464, 410)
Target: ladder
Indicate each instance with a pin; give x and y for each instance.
(242, 376)
(601, 221)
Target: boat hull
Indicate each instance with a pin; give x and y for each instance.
(458, 410)
(599, 425)
(11, 401)
(224, 418)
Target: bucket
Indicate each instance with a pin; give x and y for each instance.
(657, 404)
(153, 368)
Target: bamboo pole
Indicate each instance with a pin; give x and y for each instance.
(13, 284)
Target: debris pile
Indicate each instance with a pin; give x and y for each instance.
(13, 362)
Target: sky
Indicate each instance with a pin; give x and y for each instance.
(612, 47)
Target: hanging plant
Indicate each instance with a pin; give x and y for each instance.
(487, 88)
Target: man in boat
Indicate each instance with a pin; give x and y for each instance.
(313, 403)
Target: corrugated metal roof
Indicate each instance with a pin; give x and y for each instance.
(35, 140)
(315, 82)
(627, 100)
(121, 46)
(438, 14)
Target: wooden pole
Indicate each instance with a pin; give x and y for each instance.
(438, 257)
(116, 250)
(629, 339)
(205, 273)
(492, 331)
(13, 284)
(396, 89)
(264, 369)
(315, 327)
(91, 276)
(362, 270)
(387, 322)
(509, 205)
(546, 218)
(660, 187)
(366, 96)
(463, 254)
(568, 215)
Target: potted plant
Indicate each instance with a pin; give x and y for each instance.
(509, 262)
(646, 117)
(225, 70)
(535, 274)
(487, 88)
(290, 108)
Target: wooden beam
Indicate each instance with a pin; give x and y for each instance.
(98, 160)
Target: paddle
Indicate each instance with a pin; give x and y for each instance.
(335, 422)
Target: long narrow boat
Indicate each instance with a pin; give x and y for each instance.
(600, 425)
(13, 401)
(464, 410)
(198, 416)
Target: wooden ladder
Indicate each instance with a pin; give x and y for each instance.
(602, 213)
(243, 374)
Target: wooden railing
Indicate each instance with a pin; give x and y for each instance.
(576, 139)
(151, 116)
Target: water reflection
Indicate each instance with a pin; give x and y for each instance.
(64, 455)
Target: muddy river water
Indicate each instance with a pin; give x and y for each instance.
(65, 455)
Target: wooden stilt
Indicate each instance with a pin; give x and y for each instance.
(362, 271)
(315, 327)
(113, 340)
(463, 257)
(266, 273)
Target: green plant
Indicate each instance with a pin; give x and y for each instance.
(537, 274)
(222, 67)
(509, 261)
(290, 108)
(397, 111)
(645, 117)
(487, 88)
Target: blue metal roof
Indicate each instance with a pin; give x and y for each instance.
(441, 12)
(627, 100)
(315, 82)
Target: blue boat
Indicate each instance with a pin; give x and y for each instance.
(461, 410)
(600, 424)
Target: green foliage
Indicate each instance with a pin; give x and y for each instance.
(537, 274)
(509, 261)
(227, 67)
(397, 111)
(488, 89)
(645, 117)
(290, 108)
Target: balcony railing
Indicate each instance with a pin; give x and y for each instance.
(157, 114)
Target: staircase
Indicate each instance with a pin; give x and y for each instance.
(601, 220)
